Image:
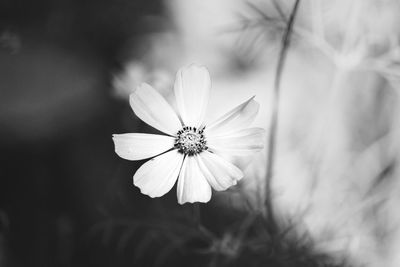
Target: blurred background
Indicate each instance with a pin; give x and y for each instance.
(59, 174)
(67, 68)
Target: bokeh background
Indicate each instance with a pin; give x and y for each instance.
(67, 68)
(59, 174)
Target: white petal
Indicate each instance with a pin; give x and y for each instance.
(137, 146)
(157, 176)
(239, 143)
(154, 110)
(238, 118)
(192, 185)
(192, 90)
(220, 173)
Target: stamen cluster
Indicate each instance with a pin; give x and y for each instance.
(190, 140)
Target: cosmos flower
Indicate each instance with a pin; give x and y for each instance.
(192, 152)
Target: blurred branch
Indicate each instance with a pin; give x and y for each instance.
(275, 114)
(279, 10)
(258, 11)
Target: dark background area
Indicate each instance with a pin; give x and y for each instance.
(59, 174)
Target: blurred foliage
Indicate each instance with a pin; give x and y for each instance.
(216, 238)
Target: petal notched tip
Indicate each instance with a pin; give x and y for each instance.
(157, 176)
(205, 200)
(138, 146)
(194, 66)
(219, 173)
(142, 86)
(192, 184)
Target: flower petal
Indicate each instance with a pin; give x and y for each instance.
(238, 118)
(154, 110)
(157, 176)
(239, 143)
(220, 173)
(137, 146)
(192, 90)
(192, 185)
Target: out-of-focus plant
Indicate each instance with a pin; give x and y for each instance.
(352, 146)
(354, 45)
(182, 238)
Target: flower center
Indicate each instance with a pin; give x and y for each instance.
(190, 141)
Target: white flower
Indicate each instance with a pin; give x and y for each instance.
(192, 152)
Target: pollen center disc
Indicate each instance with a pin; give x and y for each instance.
(190, 141)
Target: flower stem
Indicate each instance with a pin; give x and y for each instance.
(273, 129)
(196, 214)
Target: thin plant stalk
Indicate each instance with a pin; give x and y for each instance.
(273, 129)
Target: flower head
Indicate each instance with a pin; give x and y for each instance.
(193, 152)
